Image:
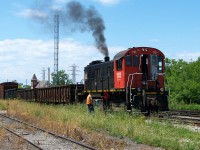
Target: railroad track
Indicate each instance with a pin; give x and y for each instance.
(182, 116)
(40, 138)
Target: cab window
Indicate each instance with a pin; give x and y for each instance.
(160, 64)
(119, 64)
(135, 61)
(128, 60)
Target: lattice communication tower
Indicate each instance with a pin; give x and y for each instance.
(56, 46)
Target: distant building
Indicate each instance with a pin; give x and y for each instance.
(35, 83)
(42, 84)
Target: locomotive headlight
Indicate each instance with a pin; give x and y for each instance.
(161, 89)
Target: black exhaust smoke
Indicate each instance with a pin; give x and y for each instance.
(88, 19)
(74, 16)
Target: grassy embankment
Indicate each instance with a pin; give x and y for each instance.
(182, 106)
(74, 121)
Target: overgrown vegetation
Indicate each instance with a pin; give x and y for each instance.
(75, 121)
(183, 81)
(2, 134)
(183, 106)
(3, 105)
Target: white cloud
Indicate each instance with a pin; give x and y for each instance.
(21, 58)
(109, 2)
(32, 13)
(188, 56)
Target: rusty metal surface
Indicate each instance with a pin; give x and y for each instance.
(57, 94)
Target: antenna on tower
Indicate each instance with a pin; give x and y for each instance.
(74, 73)
(56, 46)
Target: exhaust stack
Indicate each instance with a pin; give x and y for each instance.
(107, 58)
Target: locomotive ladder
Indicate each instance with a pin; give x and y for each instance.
(128, 88)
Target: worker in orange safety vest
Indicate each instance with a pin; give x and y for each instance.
(89, 102)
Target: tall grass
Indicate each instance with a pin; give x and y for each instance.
(4, 105)
(182, 106)
(75, 121)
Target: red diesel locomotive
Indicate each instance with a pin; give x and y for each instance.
(134, 77)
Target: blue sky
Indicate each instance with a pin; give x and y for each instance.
(26, 46)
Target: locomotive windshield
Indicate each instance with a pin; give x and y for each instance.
(150, 71)
(135, 61)
(156, 66)
(160, 64)
(128, 60)
(132, 60)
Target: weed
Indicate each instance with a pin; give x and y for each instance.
(182, 106)
(75, 121)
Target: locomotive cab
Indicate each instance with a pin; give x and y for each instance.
(140, 71)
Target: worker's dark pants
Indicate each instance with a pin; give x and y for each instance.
(90, 108)
(106, 104)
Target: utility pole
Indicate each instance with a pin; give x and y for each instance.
(56, 46)
(74, 73)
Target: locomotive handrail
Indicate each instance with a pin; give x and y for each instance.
(130, 75)
(131, 78)
(160, 74)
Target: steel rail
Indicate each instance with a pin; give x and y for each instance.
(186, 112)
(23, 138)
(51, 133)
(181, 116)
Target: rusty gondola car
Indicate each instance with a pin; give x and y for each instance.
(54, 94)
(8, 90)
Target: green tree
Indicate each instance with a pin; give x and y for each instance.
(62, 78)
(183, 80)
(20, 85)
